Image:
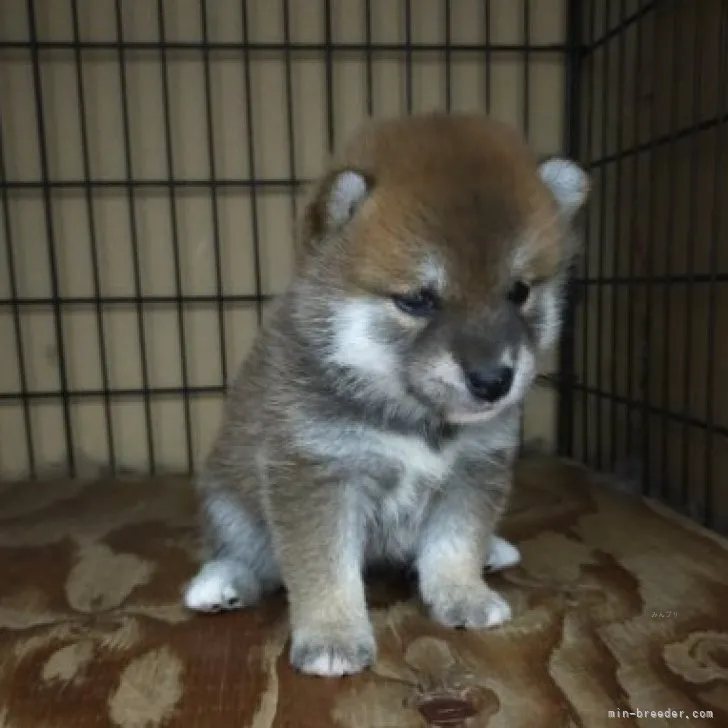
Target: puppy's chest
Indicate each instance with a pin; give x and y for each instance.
(407, 472)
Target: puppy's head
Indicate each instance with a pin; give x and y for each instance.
(433, 259)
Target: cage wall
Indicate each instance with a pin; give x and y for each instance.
(152, 158)
(651, 324)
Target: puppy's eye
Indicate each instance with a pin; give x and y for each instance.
(421, 303)
(519, 292)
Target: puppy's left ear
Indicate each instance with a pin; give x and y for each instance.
(568, 182)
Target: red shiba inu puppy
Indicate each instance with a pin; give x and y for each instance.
(377, 414)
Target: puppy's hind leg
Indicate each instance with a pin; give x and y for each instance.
(241, 566)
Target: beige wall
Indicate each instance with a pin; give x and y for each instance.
(195, 207)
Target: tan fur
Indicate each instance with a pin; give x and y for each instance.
(419, 165)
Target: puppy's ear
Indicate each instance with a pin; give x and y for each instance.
(568, 182)
(334, 202)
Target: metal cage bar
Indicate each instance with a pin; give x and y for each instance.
(615, 399)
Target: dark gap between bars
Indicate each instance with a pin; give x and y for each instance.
(649, 270)
(664, 483)
(571, 142)
(632, 241)
(693, 203)
(719, 181)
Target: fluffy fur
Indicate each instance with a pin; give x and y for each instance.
(353, 432)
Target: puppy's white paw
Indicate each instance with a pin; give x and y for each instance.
(333, 657)
(502, 555)
(214, 589)
(472, 607)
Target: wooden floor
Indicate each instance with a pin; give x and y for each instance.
(616, 608)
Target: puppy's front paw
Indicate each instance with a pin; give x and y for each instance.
(472, 607)
(333, 656)
(220, 586)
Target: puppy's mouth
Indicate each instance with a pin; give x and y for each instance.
(459, 406)
(483, 414)
(464, 411)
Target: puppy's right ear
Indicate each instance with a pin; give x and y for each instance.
(568, 182)
(335, 201)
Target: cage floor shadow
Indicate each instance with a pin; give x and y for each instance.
(617, 606)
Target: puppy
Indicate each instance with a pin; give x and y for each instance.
(376, 416)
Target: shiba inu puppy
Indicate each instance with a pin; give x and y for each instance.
(376, 416)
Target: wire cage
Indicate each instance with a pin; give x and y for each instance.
(152, 157)
(639, 370)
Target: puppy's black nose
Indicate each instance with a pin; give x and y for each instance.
(490, 384)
